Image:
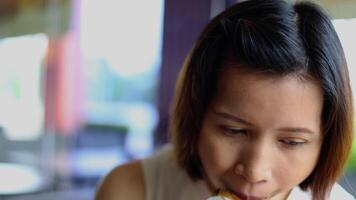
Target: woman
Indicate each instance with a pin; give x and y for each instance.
(263, 109)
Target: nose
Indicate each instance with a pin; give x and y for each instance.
(255, 166)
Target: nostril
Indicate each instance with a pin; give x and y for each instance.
(253, 174)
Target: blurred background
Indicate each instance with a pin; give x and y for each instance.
(86, 85)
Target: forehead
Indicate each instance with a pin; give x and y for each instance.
(240, 78)
(268, 99)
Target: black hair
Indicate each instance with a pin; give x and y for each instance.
(275, 37)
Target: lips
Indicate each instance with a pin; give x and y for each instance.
(243, 196)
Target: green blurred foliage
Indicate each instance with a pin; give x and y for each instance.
(351, 164)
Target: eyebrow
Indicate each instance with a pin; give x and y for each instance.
(284, 129)
(232, 117)
(296, 130)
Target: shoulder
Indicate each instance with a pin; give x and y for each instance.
(337, 192)
(123, 182)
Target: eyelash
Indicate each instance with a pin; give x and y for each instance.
(241, 131)
(234, 131)
(292, 143)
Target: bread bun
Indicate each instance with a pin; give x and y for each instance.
(224, 195)
(228, 195)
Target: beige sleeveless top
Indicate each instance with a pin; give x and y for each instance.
(164, 180)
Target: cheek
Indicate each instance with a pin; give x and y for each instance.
(216, 153)
(296, 168)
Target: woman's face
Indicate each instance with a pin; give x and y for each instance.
(261, 135)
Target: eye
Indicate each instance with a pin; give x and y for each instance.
(293, 143)
(233, 131)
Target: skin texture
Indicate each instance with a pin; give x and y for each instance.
(262, 132)
(123, 182)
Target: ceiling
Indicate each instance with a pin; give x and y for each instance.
(19, 17)
(338, 9)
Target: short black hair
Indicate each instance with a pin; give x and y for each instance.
(276, 37)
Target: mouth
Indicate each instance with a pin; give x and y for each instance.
(243, 196)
